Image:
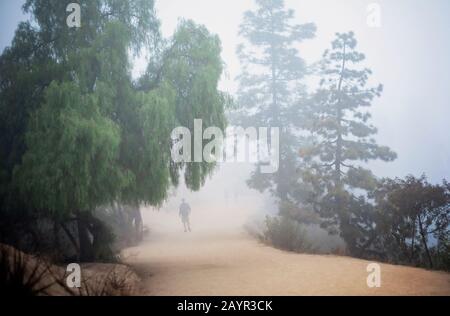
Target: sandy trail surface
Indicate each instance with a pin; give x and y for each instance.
(235, 264)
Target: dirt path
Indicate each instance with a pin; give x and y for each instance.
(190, 264)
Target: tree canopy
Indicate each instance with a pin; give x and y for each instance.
(78, 131)
(270, 85)
(342, 138)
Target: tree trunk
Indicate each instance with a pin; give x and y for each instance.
(138, 226)
(56, 236)
(86, 248)
(413, 240)
(72, 239)
(424, 240)
(339, 142)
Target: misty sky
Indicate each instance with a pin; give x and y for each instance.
(409, 55)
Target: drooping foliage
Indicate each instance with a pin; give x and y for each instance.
(79, 132)
(192, 66)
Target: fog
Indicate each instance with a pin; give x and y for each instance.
(224, 205)
(320, 227)
(408, 55)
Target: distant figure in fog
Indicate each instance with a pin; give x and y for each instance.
(185, 212)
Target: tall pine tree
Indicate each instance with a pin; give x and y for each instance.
(342, 141)
(270, 84)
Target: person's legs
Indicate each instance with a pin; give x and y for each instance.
(188, 224)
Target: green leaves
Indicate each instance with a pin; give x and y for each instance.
(270, 36)
(193, 67)
(72, 153)
(343, 142)
(270, 85)
(146, 149)
(342, 129)
(410, 213)
(361, 178)
(86, 134)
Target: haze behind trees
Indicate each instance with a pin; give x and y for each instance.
(412, 32)
(170, 86)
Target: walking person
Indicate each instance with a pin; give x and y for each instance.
(185, 212)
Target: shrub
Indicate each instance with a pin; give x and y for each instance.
(286, 234)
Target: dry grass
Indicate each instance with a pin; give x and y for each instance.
(26, 275)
